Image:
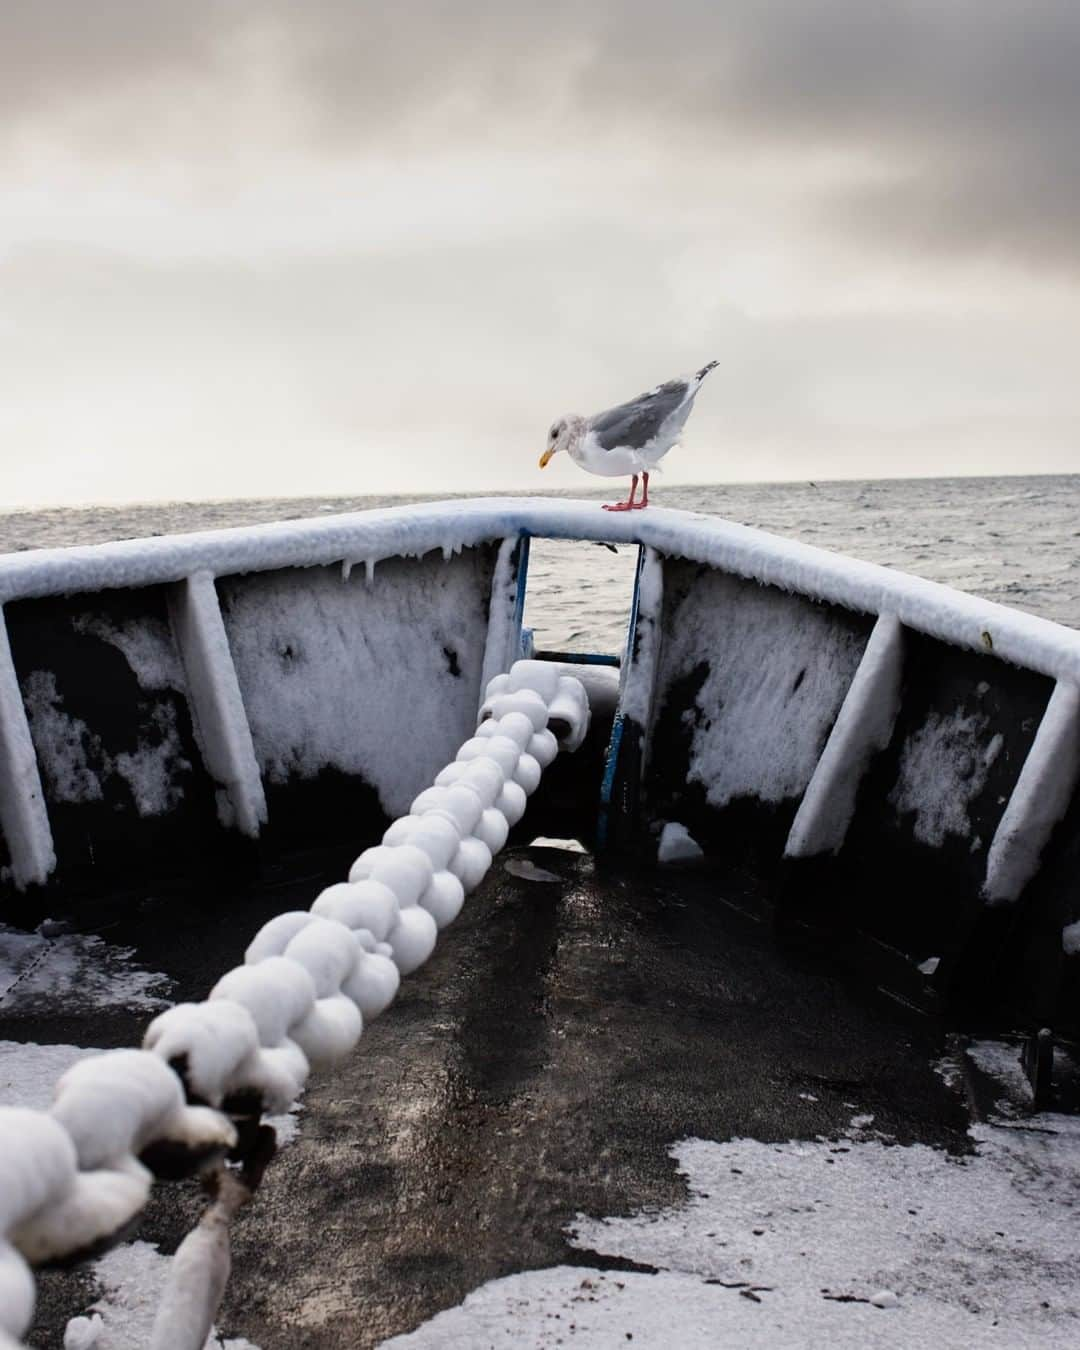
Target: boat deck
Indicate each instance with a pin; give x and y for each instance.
(564, 1036)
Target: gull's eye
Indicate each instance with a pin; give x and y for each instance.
(554, 433)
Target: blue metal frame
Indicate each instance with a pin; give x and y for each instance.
(524, 634)
(526, 638)
(574, 658)
(611, 763)
(527, 649)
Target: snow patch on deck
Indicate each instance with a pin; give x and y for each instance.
(847, 1243)
(132, 1279)
(29, 1072)
(677, 845)
(78, 971)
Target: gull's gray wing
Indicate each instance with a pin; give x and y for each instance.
(636, 423)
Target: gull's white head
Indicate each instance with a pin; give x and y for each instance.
(564, 434)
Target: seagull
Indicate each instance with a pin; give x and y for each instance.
(631, 438)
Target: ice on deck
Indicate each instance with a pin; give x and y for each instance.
(79, 971)
(845, 1243)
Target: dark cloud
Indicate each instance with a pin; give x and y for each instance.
(970, 109)
(58, 53)
(967, 109)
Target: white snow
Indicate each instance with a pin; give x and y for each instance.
(637, 676)
(677, 845)
(18, 953)
(24, 819)
(29, 1072)
(113, 1104)
(150, 770)
(81, 971)
(146, 645)
(63, 742)
(943, 769)
(132, 1278)
(83, 1333)
(1039, 799)
(218, 718)
(863, 726)
(287, 1125)
(1000, 1061)
(74, 761)
(778, 671)
(569, 845)
(322, 661)
(847, 1244)
(502, 646)
(526, 870)
(601, 684)
(1070, 939)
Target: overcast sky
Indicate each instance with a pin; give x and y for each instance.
(252, 249)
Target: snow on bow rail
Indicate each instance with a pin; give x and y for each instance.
(369, 537)
(72, 1179)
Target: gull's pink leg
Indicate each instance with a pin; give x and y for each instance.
(629, 505)
(641, 505)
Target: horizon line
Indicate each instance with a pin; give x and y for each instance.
(451, 493)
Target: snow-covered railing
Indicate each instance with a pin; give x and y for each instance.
(73, 1178)
(368, 537)
(195, 569)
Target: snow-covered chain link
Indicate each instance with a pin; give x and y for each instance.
(72, 1177)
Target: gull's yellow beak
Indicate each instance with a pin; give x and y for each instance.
(545, 457)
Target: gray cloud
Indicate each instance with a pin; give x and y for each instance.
(56, 53)
(966, 111)
(254, 246)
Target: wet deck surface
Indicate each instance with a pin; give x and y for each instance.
(562, 1038)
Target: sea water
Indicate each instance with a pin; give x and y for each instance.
(1015, 540)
